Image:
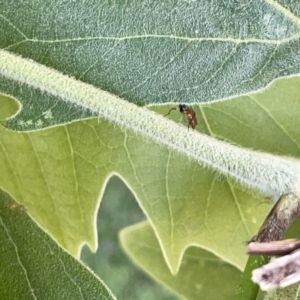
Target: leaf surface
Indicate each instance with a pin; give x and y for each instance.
(154, 52)
(60, 171)
(199, 275)
(43, 272)
(118, 210)
(149, 53)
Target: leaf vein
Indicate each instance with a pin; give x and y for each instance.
(18, 258)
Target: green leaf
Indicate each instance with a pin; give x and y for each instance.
(156, 52)
(33, 266)
(8, 106)
(60, 170)
(118, 210)
(200, 272)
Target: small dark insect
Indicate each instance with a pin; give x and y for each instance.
(190, 114)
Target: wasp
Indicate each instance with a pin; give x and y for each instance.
(190, 114)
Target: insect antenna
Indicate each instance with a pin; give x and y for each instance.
(174, 108)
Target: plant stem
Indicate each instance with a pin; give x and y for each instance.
(284, 212)
(248, 290)
(282, 215)
(273, 175)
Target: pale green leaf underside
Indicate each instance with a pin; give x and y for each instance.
(153, 52)
(57, 174)
(201, 276)
(33, 266)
